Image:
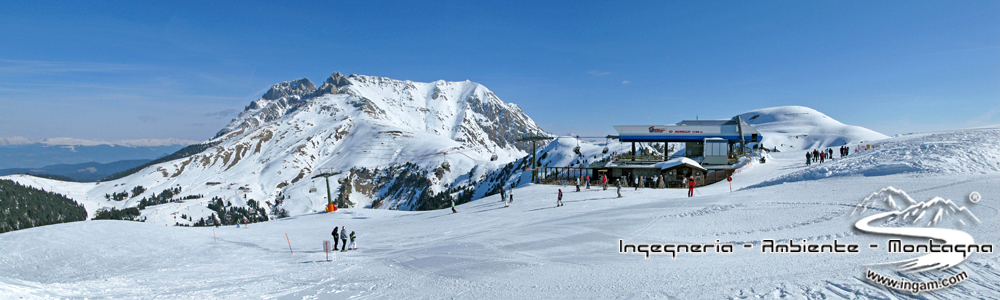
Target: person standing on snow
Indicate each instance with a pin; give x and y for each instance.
(618, 184)
(809, 158)
(636, 182)
(510, 194)
(336, 238)
(352, 246)
(604, 182)
(559, 201)
(830, 155)
(578, 184)
(588, 182)
(452, 208)
(691, 185)
(503, 195)
(343, 238)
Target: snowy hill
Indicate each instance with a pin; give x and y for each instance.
(803, 128)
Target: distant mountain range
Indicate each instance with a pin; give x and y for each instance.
(19, 152)
(85, 172)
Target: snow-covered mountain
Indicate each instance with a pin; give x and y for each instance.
(397, 144)
(802, 128)
(406, 139)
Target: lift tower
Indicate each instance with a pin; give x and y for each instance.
(534, 158)
(330, 207)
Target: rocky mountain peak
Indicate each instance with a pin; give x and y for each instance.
(332, 84)
(298, 87)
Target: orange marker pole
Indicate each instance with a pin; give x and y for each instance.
(213, 235)
(289, 244)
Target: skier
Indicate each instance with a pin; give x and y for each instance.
(336, 237)
(636, 182)
(809, 158)
(510, 194)
(604, 182)
(691, 184)
(822, 157)
(588, 182)
(618, 185)
(503, 195)
(452, 207)
(830, 150)
(352, 246)
(343, 238)
(578, 184)
(559, 202)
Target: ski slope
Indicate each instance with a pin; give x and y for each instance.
(534, 250)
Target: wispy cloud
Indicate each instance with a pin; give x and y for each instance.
(983, 118)
(598, 73)
(49, 67)
(626, 82)
(958, 51)
(222, 113)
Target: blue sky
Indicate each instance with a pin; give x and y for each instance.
(137, 69)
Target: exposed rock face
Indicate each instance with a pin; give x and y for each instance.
(298, 87)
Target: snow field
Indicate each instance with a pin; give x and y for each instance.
(529, 250)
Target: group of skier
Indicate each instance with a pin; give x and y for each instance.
(507, 197)
(822, 156)
(818, 156)
(343, 236)
(644, 182)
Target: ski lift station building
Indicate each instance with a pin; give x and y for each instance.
(712, 147)
(711, 142)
